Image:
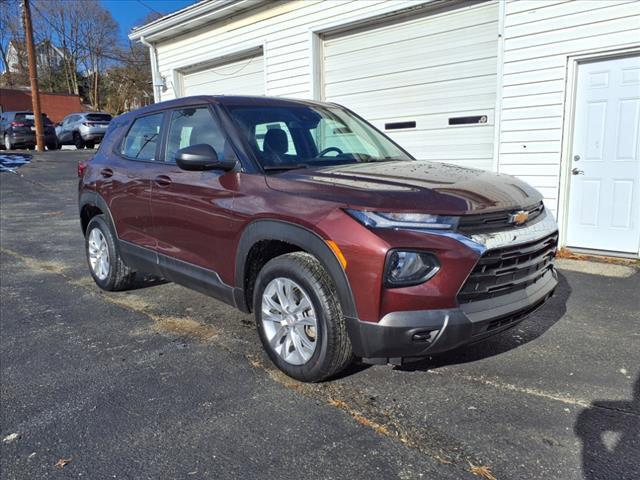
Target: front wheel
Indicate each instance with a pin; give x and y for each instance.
(105, 263)
(299, 318)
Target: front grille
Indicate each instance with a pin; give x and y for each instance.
(487, 222)
(504, 270)
(482, 329)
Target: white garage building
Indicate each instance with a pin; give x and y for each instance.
(547, 90)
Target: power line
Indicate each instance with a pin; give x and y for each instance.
(147, 6)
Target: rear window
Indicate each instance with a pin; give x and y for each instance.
(99, 117)
(28, 116)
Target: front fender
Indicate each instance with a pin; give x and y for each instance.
(301, 237)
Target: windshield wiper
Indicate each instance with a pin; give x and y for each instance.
(275, 168)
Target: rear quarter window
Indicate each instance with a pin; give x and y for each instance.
(141, 141)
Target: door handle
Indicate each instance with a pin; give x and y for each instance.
(163, 180)
(576, 171)
(106, 172)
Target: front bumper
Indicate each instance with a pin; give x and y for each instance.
(405, 333)
(419, 333)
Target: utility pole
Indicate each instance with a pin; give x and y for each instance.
(33, 75)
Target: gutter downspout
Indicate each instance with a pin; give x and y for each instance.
(156, 80)
(497, 115)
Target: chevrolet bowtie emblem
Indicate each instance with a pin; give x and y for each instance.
(519, 218)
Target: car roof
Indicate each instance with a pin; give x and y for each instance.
(229, 100)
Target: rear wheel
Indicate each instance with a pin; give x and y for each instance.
(7, 142)
(77, 141)
(299, 318)
(90, 144)
(105, 263)
(53, 146)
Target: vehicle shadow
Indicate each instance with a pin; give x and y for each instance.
(146, 280)
(610, 434)
(526, 331)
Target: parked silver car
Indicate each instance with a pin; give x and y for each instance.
(83, 129)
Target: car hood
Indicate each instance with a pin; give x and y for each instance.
(424, 186)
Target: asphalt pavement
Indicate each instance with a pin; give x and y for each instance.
(163, 382)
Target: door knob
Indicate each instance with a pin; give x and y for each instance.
(576, 171)
(576, 158)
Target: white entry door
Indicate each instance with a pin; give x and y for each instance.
(604, 193)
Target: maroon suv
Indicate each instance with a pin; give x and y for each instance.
(337, 239)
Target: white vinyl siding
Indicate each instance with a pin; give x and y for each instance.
(428, 80)
(426, 69)
(282, 29)
(539, 37)
(240, 77)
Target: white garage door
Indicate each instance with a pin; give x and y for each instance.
(239, 77)
(438, 71)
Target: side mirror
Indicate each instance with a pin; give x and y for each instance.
(201, 157)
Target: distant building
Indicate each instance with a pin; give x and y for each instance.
(48, 56)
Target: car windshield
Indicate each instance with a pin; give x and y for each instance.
(286, 137)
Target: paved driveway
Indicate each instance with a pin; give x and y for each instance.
(162, 382)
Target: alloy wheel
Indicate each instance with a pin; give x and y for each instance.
(98, 254)
(289, 321)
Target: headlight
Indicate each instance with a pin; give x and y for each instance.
(404, 220)
(404, 268)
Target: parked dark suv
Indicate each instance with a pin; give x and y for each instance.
(337, 239)
(17, 129)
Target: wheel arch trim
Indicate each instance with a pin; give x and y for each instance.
(93, 198)
(304, 238)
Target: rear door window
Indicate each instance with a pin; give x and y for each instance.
(142, 140)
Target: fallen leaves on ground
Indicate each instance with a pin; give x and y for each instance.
(481, 471)
(63, 462)
(570, 255)
(10, 438)
(443, 460)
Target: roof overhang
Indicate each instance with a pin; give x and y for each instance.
(190, 18)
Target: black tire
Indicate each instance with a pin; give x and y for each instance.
(120, 276)
(90, 144)
(333, 349)
(53, 146)
(6, 142)
(77, 141)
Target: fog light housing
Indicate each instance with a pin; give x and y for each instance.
(406, 268)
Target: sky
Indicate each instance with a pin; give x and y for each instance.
(129, 13)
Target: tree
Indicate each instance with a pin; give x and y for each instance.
(94, 62)
(99, 32)
(12, 44)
